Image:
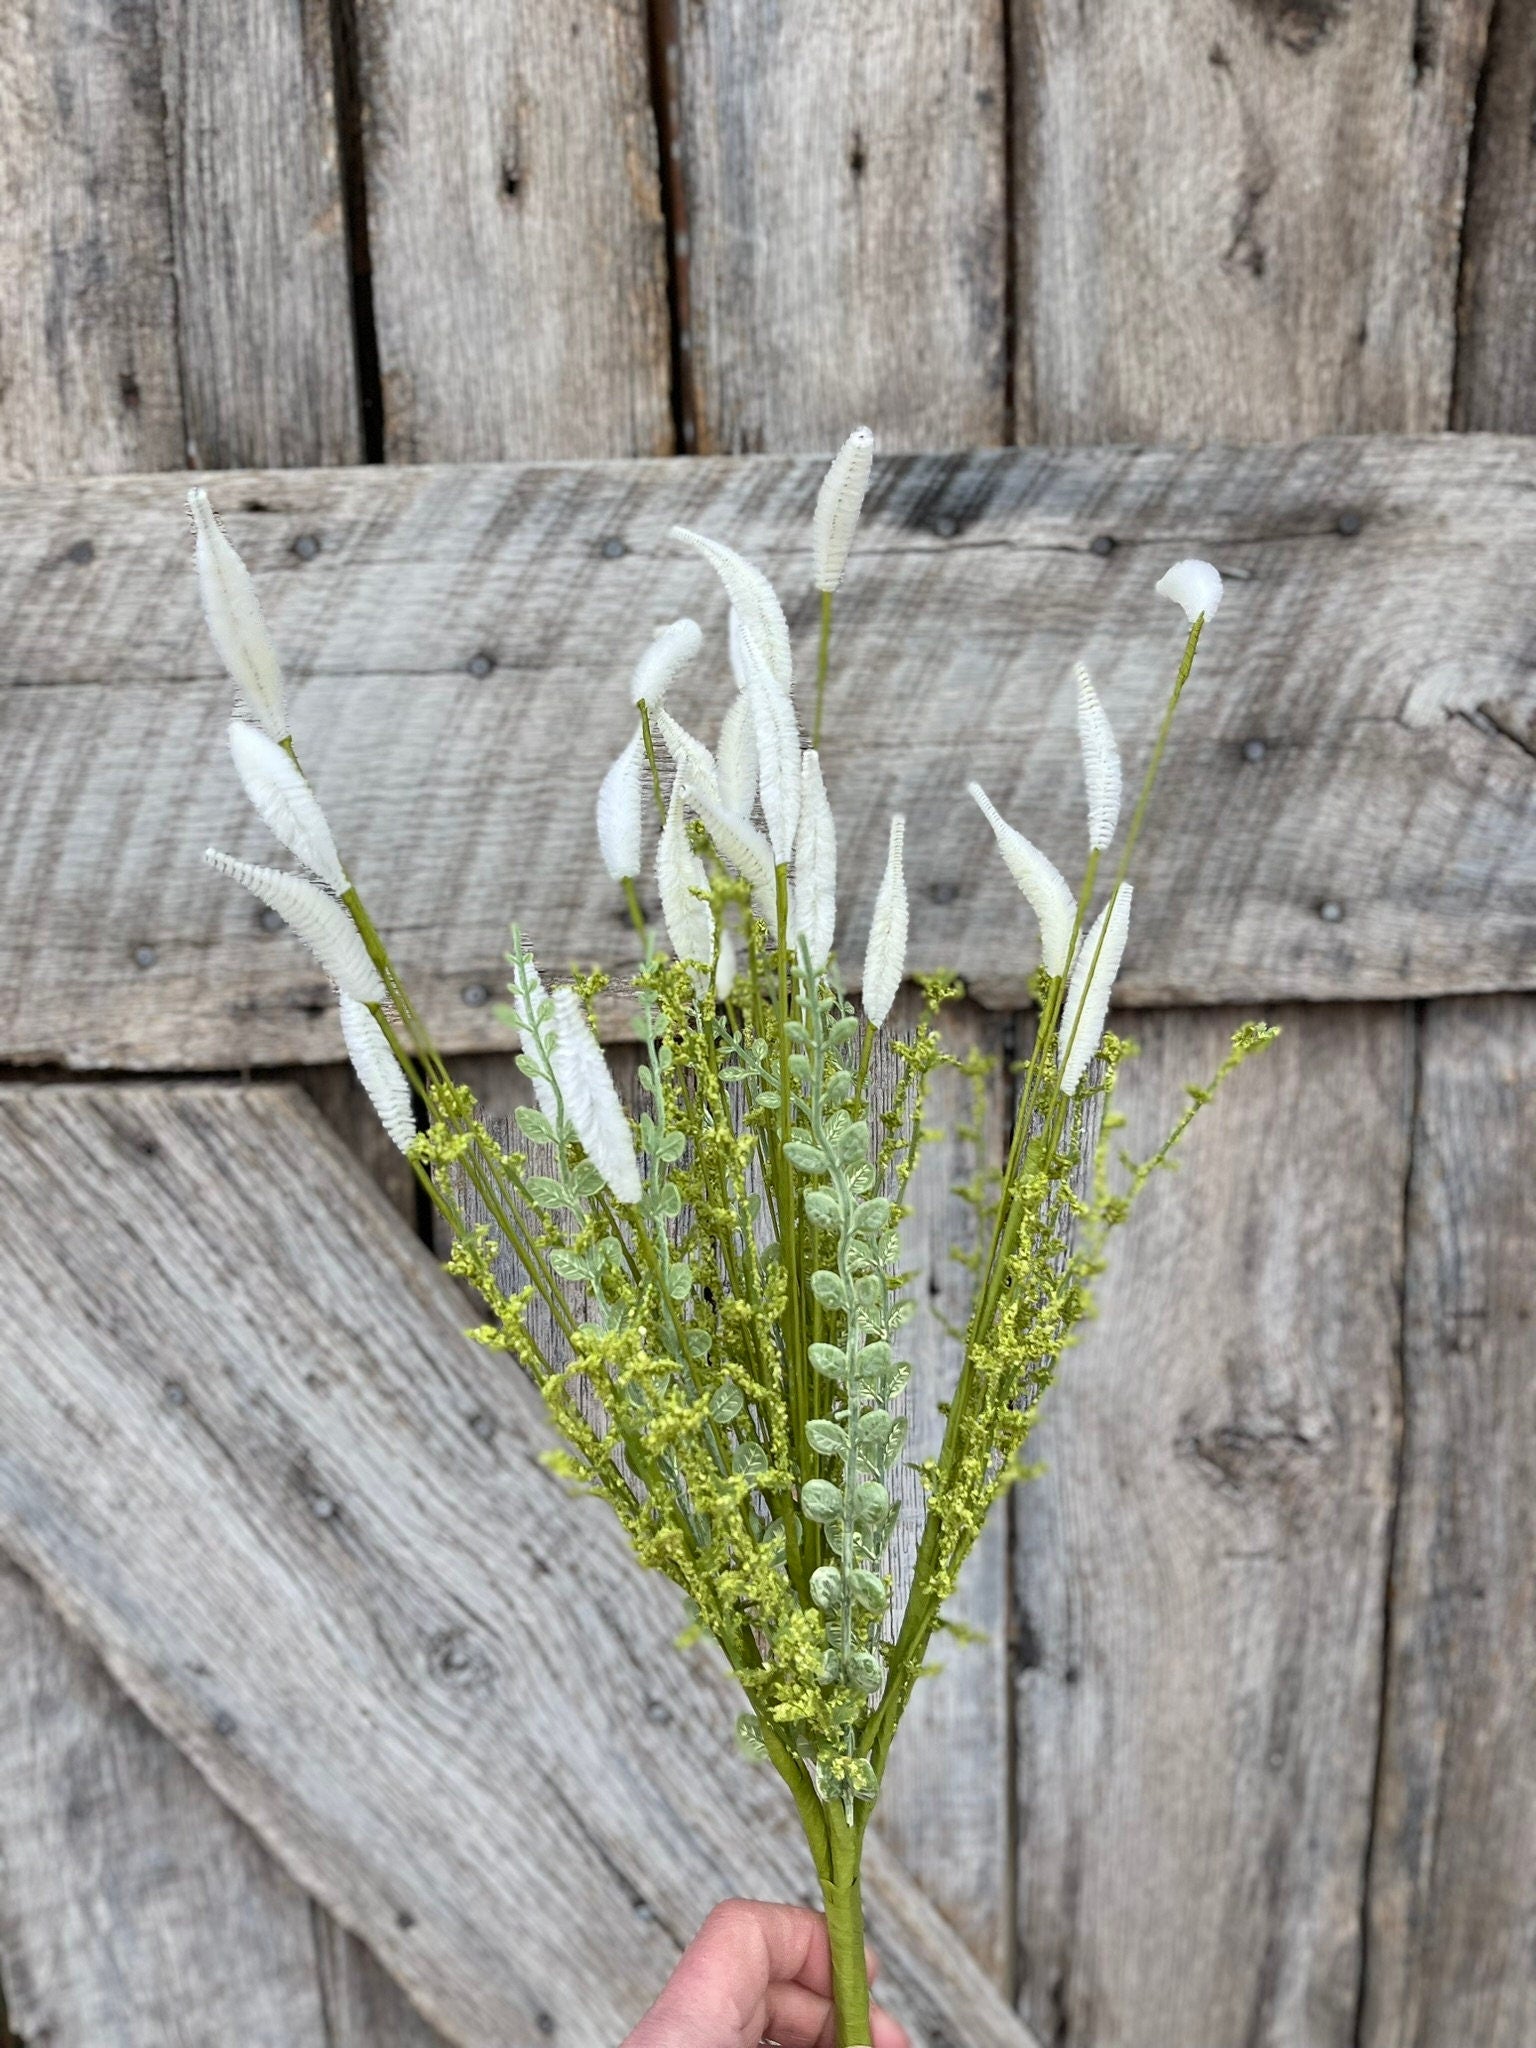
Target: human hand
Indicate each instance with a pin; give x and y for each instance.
(755, 1973)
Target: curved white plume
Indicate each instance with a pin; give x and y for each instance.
(618, 814)
(742, 847)
(736, 758)
(591, 1100)
(814, 917)
(1101, 762)
(777, 735)
(382, 1076)
(885, 960)
(318, 919)
(725, 970)
(1088, 992)
(690, 757)
(234, 618)
(285, 802)
(1044, 886)
(838, 505)
(755, 600)
(680, 877)
(663, 661)
(1195, 587)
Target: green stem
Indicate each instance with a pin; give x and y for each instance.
(843, 1898)
(650, 754)
(823, 662)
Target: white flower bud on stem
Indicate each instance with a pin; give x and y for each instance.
(838, 505)
(1043, 885)
(234, 620)
(285, 802)
(885, 958)
(673, 648)
(591, 1100)
(323, 924)
(1195, 587)
(374, 1063)
(618, 814)
(1101, 762)
(1088, 992)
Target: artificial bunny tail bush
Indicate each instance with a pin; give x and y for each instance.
(834, 523)
(709, 1290)
(235, 623)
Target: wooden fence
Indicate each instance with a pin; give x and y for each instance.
(326, 1719)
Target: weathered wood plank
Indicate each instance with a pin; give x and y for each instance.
(338, 1095)
(331, 1568)
(1239, 219)
(515, 224)
(946, 1804)
(846, 222)
(135, 1910)
(363, 2007)
(1496, 353)
(89, 377)
(1352, 740)
(263, 287)
(1449, 1954)
(1201, 1573)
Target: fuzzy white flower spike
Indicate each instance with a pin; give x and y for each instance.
(1043, 885)
(1088, 992)
(618, 814)
(234, 618)
(885, 960)
(673, 648)
(1195, 587)
(739, 843)
(318, 919)
(680, 878)
(815, 905)
(736, 758)
(1101, 762)
(374, 1063)
(591, 1100)
(777, 736)
(838, 505)
(285, 802)
(754, 600)
(690, 757)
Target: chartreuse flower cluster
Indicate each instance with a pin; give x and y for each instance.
(707, 1287)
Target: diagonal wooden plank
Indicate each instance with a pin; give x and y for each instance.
(515, 225)
(846, 222)
(1340, 815)
(135, 1910)
(1201, 1572)
(1449, 1953)
(1240, 219)
(244, 1449)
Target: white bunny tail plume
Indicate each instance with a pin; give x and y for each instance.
(1043, 885)
(755, 600)
(663, 661)
(374, 1063)
(1101, 762)
(838, 505)
(736, 641)
(885, 960)
(680, 876)
(691, 758)
(591, 1100)
(234, 620)
(618, 814)
(1088, 992)
(318, 919)
(778, 755)
(1195, 587)
(285, 802)
(743, 847)
(815, 907)
(736, 758)
(725, 968)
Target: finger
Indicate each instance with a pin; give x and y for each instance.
(886, 2032)
(716, 1994)
(798, 2018)
(815, 1973)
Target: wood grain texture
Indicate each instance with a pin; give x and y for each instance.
(1449, 1926)
(263, 291)
(333, 1571)
(135, 1910)
(338, 1095)
(514, 209)
(89, 376)
(1383, 680)
(945, 1806)
(846, 223)
(1496, 354)
(1200, 1574)
(1240, 217)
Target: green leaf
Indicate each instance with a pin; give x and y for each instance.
(864, 1669)
(672, 1147)
(826, 1438)
(543, 1192)
(726, 1402)
(829, 1290)
(805, 1158)
(827, 1588)
(820, 1500)
(680, 1282)
(748, 1458)
(830, 1360)
(869, 1591)
(749, 1738)
(824, 1209)
(871, 1217)
(534, 1124)
(586, 1181)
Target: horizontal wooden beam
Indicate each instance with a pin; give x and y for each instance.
(1346, 811)
(246, 1451)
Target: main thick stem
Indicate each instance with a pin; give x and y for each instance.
(843, 1898)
